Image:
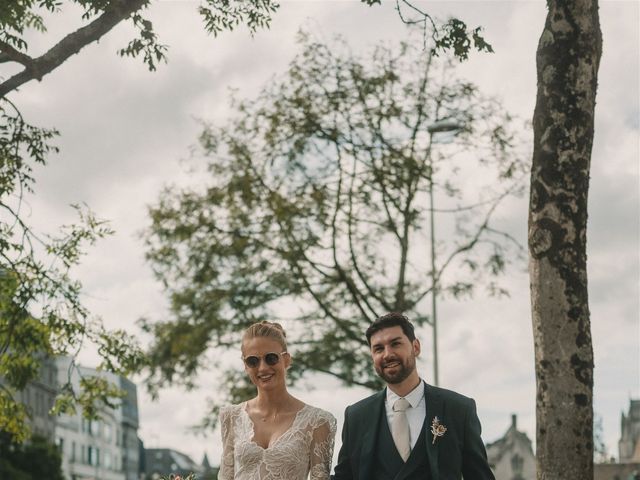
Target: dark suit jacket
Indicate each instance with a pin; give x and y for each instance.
(458, 453)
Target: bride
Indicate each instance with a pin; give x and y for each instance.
(273, 436)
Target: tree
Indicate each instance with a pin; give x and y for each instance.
(568, 57)
(100, 16)
(317, 195)
(40, 300)
(600, 453)
(40, 308)
(36, 459)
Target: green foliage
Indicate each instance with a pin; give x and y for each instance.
(37, 458)
(146, 43)
(17, 17)
(221, 15)
(100, 16)
(40, 309)
(459, 39)
(317, 196)
(13, 416)
(276, 240)
(450, 37)
(21, 15)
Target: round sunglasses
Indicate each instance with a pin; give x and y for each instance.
(271, 359)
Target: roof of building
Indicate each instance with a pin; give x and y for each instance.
(509, 440)
(183, 461)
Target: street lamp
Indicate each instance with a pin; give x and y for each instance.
(439, 126)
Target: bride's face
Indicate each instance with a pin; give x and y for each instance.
(265, 362)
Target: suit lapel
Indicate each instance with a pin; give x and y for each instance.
(371, 434)
(434, 408)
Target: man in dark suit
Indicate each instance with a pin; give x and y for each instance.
(410, 430)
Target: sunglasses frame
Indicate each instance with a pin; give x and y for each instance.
(263, 358)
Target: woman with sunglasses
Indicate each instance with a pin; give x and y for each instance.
(273, 436)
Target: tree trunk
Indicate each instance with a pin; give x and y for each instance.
(567, 64)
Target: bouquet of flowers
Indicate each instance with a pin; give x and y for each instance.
(191, 476)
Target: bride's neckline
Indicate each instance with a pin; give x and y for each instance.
(275, 440)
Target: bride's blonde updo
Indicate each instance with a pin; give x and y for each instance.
(264, 329)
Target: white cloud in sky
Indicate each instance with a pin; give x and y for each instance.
(125, 131)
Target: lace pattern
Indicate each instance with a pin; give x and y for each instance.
(304, 451)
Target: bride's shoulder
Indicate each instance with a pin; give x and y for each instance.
(231, 410)
(321, 415)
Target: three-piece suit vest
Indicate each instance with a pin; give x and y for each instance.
(388, 463)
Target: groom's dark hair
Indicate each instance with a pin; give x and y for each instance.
(393, 319)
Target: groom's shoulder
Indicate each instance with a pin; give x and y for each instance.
(366, 403)
(449, 396)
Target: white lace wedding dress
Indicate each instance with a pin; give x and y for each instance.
(306, 448)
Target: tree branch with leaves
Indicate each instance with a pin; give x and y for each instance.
(315, 198)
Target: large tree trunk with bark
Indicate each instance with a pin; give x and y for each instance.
(567, 63)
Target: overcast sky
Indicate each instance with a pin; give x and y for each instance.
(126, 131)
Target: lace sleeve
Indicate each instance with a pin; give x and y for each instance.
(321, 448)
(226, 463)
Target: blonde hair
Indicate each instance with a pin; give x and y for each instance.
(264, 329)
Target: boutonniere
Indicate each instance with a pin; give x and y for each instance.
(437, 429)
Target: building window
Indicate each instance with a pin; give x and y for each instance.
(94, 426)
(108, 432)
(93, 455)
(73, 452)
(517, 462)
(107, 460)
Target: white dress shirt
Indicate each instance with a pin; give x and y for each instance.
(415, 414)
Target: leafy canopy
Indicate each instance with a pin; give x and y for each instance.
(98, 17)
(40, 308)
(314, 207)
(37, 459)
(41, 312)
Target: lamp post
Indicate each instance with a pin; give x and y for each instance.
(437, 127)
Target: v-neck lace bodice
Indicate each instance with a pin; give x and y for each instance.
(303, 451)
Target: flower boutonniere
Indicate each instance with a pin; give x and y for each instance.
(437, 429)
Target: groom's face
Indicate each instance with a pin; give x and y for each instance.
(393, 354)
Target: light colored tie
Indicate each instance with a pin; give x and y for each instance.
(400, 428)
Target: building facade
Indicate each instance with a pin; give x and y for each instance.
(104, 449)
(629, 444)
(38, 397)
(511, 457)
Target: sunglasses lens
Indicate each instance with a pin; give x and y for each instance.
(252, 361)
(271, 359)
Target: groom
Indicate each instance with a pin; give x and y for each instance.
(410, 430)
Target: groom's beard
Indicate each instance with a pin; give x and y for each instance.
(402, 372)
